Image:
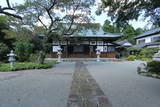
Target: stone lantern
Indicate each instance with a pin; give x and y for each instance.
(11, 59)
(157, 56)
(59, 53)
(98, 52)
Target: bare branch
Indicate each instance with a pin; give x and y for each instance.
(39, 19)
(72, 21)
(53, 4)
(2, 10)
(7, 8)
(8, 3)
(13, 15)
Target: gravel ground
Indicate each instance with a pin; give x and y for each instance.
(50, 88)
(123, 86)
(36, 88)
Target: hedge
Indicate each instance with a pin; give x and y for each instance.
(26, 66)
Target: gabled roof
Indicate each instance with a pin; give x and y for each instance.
(148, 33)
(124, 42)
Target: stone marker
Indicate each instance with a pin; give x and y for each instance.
(59, 53)
(11, 58)
(98, 52)
(157, 56)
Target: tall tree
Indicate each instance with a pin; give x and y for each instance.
(110, 28)
(4, 29)
(129, 33)
(47, 17)
(124, 10)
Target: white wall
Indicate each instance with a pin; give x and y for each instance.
(148, 38)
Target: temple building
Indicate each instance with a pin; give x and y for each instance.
(83, 44)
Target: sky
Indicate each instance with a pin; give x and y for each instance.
(98, 19)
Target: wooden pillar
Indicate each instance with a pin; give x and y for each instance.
(67, 55)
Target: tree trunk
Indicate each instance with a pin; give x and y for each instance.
(41, 57)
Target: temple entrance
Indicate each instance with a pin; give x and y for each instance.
(78, 51)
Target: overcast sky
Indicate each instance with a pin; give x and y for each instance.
(98, 19)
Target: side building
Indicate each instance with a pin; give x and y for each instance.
(149, 39)
(83, 44)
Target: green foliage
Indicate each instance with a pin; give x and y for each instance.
(109, 28)
(124, 10)
(23, 50)
(41, 57)
(139, 31)
(147, 53)
(133, 49)
(26, 65)
(3, 52)
(129, 33)
(34, 57)
(131, 58)
(143, 54)
(4, 29)
(153, 66)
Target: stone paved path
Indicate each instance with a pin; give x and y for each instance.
(85, 92)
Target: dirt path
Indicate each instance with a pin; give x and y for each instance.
(85, 92)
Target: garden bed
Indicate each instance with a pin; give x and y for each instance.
(26, 66)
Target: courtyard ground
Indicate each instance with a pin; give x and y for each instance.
(115, 84)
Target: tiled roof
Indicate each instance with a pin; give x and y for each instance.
(148, 33)
(97, 32)
(123, 42)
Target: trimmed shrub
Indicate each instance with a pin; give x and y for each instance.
(147, 53)
(26, 65)
(131, 58)
(153, 66)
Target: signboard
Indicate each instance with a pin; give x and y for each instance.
(55, 48)
(100, 47)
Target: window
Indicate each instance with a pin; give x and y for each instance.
(92, 42)
(111, 48)
(155, 39)
(99, 42)
(141, 41)
(105, 48)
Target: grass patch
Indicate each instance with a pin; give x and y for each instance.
(26, 66)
